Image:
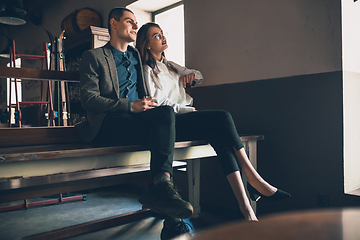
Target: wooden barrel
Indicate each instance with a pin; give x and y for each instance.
(80, 19)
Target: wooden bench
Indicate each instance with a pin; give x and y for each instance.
(41, 161)
(40, 145)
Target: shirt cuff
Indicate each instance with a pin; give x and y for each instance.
(186, 109)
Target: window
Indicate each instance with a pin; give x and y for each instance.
(171, 20)
(169, 14)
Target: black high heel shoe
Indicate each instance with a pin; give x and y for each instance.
(256, 196)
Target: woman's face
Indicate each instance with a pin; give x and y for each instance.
(156, 41)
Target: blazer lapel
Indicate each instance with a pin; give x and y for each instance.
(112, 67)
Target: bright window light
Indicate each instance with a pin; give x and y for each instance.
(172, 24)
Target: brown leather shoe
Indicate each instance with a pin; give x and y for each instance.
(164, 198)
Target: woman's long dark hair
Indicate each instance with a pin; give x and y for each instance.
(141, 41)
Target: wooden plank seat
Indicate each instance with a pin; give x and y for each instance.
(42, 143)
(24, 145)
(33, 187)
(36, 143)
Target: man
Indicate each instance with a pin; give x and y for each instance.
(113, 94)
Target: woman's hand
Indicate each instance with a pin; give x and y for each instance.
(188, 80)
(144, 104)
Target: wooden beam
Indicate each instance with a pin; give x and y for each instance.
(93, 225)
(26, 188)
(37, 74)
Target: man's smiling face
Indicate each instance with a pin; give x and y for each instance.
(126, 28)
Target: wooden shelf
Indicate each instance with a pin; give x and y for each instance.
(36, 74)
(89, 36)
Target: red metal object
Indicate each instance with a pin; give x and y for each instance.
(45, 65)
(28, 204)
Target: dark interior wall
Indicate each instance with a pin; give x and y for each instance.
(277, 67)
(49, 15)
(301, 118)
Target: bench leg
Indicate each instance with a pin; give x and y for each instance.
(193, 173)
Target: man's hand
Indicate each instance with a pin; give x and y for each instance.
(188, 80)
(144, 104)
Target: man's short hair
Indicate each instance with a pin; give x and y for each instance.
(116, 13)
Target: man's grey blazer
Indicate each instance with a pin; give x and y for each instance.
(99, 89)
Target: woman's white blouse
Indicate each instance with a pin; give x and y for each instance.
(168, 86)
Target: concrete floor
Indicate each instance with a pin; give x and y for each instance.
(99, 204)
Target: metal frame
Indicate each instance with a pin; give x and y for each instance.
(45, 65)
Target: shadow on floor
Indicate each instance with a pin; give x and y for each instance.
(100, 203)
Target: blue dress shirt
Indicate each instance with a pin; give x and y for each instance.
(127, 74)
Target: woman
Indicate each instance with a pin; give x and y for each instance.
(171, 91)
(166, 81)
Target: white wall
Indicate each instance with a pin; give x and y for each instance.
(236, 41)
(351, 89)
(351, 35)
(351, 92)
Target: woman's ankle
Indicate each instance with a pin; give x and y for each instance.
(248, 213)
